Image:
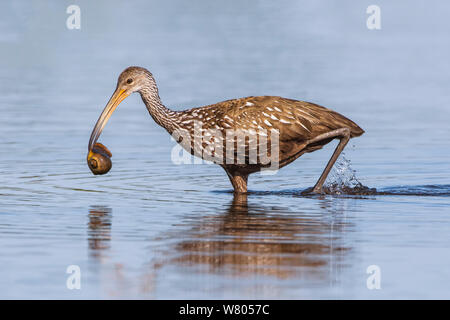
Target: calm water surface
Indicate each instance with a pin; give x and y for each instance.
(152, 229)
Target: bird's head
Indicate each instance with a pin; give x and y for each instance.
(135, 79)
(132, 79)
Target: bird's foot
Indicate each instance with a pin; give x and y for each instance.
(311, 191)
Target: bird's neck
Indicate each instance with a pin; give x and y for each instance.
(162, 115)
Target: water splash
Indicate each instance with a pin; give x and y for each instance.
(342, 180)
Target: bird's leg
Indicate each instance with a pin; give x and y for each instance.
(238, 180)
(239, 206)
(240, 200)
(344, 136)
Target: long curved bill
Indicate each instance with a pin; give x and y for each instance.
(112, 104)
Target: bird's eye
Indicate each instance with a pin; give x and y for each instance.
(129, 81)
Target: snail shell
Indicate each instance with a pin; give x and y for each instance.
(99, 159)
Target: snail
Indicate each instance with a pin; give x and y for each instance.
(99, 159)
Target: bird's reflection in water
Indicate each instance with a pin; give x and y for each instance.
(252, 240)
(99, 230)
(113, 275)
(247, 240)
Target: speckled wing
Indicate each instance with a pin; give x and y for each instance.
(273, 122)
(251, 124)
(296, 121)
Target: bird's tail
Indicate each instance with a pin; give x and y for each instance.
(355, 130)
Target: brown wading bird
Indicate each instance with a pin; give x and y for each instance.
(301, 127)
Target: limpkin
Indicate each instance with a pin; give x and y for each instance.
(300, 127)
